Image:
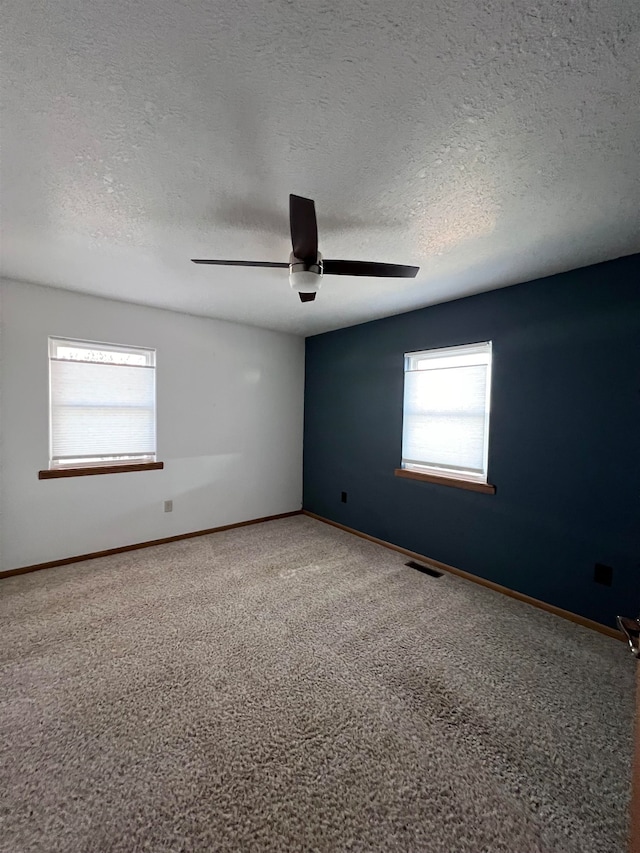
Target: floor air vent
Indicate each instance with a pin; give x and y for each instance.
(427, 570)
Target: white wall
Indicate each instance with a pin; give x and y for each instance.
(230, 414)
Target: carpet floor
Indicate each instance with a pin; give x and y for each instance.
(290, 687)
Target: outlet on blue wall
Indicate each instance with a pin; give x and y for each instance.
(564, 449)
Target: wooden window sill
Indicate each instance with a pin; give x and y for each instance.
(52, 473)
(485, 488)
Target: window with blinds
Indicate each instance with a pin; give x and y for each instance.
(102, 403)
(446, 411)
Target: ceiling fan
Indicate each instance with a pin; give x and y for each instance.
(306, 264)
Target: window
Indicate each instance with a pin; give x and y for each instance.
(102, 404)
(446, 412)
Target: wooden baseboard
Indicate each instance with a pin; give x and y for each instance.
(535, 602)
(23, 570)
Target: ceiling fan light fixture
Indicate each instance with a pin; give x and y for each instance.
(305, 277)
(306, 265)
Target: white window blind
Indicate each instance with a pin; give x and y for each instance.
(446, 411)
(102, 404)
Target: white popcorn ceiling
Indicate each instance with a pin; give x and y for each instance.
(490, 143)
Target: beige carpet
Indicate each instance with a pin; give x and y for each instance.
(289, 687)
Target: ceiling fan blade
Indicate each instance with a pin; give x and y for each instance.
(241, 263)
(304, 228)
(368, 268)
(306, 297)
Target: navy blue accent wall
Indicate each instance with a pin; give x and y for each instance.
(564, 448)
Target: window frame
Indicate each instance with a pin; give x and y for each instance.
(100, 463)
(480, 352)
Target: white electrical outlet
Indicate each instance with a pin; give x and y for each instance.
(168, 506)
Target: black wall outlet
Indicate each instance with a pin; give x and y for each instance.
(343, 497)
(603, 574)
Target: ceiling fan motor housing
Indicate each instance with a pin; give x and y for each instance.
(305, 277)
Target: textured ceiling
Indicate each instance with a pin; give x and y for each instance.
(488, 142)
